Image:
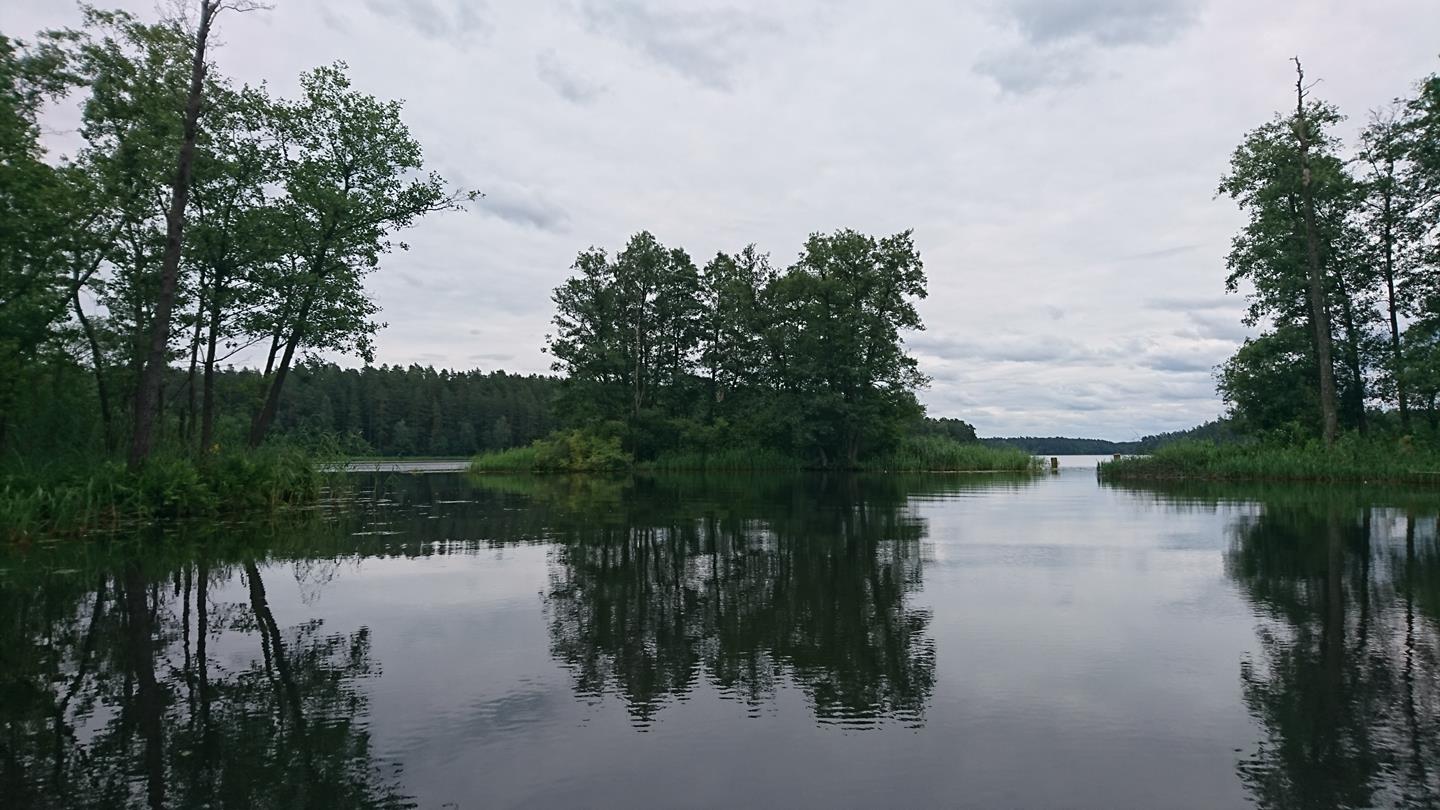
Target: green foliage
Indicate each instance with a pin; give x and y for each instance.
(562, 452)
(1353, 458)
(943, 454)
(105, 496)
(809, 361)
(1377, 250)
(726, 459)
(577, 451)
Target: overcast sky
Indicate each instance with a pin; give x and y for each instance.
(1057, 160)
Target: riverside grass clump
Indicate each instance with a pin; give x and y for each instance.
(941, 454)
(106, 496)
(1352, 459)
(576, 451)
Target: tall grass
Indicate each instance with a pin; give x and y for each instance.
(943, 454)
(577, 453)
(1351, 459)
(104, 495)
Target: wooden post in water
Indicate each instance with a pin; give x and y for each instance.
(1117, 456)
(1054, 464)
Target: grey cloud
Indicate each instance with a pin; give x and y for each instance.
(1019, 71)
(1179, 363)
(703, 46)
(491, 357)
(1060, 36)
(525, 206)
(1189, 303)
(1105, 22)
(430, 19)
(1160, 253)
(1014, 349)
(570, 85)
(1218, 326)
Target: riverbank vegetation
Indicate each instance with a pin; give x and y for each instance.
(195, 218)
(740, 365)
(576, 451)
(1339, 258)
(108, 496)
(1352, 458)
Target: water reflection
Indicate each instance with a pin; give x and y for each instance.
(507, 639)
(1347, 684)
(152, 671)
(805, 584)
(134, 685)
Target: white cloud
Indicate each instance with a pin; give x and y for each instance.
(1073, 243)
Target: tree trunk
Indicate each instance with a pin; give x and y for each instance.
(1319, 313)
(187, 423)
(147, 396)
(207, 398)
(261, 424)
(1352, 359)
(97, 359)
(1397, 359)
(142, 667)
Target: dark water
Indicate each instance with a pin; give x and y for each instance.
(957, 641)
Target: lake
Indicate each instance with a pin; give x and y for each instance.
(762, 641)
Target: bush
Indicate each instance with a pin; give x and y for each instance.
(105, 495)
(565, 451)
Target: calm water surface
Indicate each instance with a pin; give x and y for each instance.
(957, 641)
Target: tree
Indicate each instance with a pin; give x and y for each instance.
(815, 354)
(733, 321)
(841, 309)
(1298, 197)
(239, 235)
(1319, 309)
(147, 395)
(33, 289)
(1268, 386)
(1394, 232)
(347, 169)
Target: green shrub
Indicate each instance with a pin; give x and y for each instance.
(1353, 458)
(105, 495)
(564, 451)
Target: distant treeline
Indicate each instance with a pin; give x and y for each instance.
(379, 410)
(1217, 431)
(406, 411)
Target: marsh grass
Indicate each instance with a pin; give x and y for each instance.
(1352, 459)
(576, 452)
(942, 454)
(105, 496)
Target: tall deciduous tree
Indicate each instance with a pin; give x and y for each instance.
(348, 165)
(815, 354)
(1315, 279)
(32, 214)
(1297, 240)
(147, 395)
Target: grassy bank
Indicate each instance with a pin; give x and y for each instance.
(105, 496)
(1351, 459)
(574, 451)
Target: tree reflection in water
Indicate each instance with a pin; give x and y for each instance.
(806, 584)
(113, 694)
(1347, 684)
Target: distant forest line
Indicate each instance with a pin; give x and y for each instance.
(424, 411)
